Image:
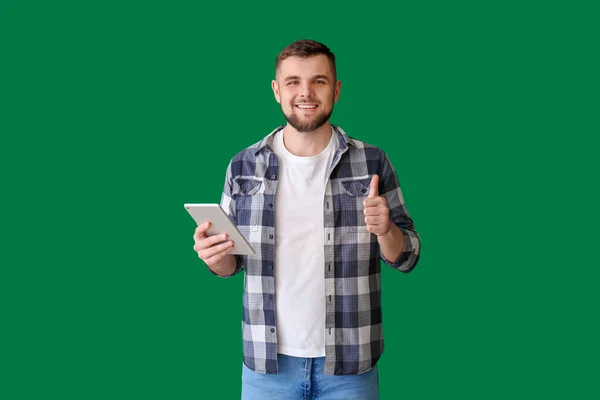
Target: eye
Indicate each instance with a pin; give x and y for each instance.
(320, 81)
(292, 83)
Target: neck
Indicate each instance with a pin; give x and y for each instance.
(306, 144)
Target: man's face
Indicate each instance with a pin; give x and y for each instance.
(307, 91)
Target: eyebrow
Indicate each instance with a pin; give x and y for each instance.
(294, 77)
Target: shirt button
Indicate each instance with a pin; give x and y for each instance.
(271, 296)
(270, 267)
(271, 205)
(271, 236)
(272, 176)
(272, 329)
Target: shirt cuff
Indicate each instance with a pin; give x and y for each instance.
(403, 262)
(239, 265)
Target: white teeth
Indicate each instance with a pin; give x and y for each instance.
(306, 106)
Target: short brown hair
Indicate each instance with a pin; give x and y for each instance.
(303, 49)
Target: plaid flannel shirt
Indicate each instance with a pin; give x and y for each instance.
(353, 323)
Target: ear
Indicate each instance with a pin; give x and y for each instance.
(275, 87)
(336, 91)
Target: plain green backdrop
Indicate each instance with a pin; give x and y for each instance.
(115, 114)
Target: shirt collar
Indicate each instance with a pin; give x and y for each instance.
(345, 141)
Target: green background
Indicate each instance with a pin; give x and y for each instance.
(114, 114)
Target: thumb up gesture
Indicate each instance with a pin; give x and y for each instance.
(377, 212)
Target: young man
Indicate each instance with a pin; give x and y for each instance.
(321, 209)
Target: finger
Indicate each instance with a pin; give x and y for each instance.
(218, 257)
(214, 250)
(374, 201)
(200, 232)
(375, 209)
(374, 189)
(210, 241)
(372, 212)
(376, 220)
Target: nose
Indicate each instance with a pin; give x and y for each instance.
(306, 90)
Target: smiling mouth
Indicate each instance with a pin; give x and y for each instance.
(306, 106)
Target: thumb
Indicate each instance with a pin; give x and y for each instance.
(374, 189)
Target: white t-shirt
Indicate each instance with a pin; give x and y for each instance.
(299, 247)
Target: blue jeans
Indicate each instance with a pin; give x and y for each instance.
(303, 379)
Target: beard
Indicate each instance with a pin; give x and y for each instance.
(307, 125)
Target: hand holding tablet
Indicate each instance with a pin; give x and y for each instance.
(220, 225)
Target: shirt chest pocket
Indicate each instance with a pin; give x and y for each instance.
(249, 197)
(353, 193)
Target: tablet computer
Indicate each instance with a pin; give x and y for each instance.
(219, 223)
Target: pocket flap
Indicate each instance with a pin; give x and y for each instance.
(357, 187)
(246, 186)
